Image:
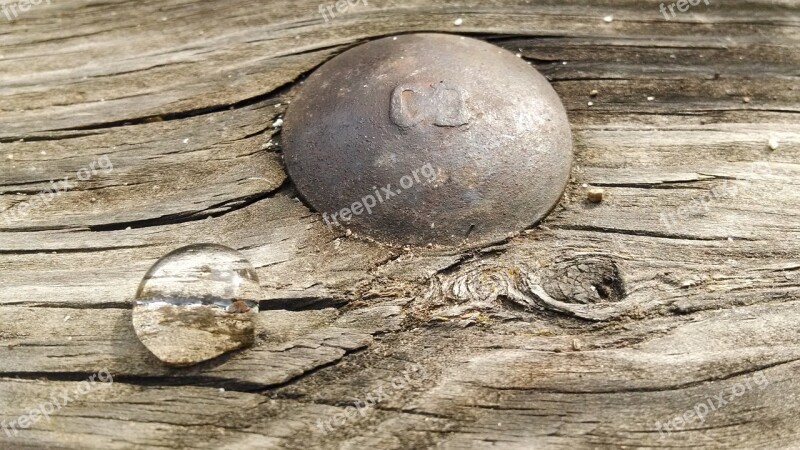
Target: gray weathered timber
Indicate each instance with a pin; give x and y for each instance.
(583, 332)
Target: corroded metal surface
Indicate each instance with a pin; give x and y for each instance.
(428, 138)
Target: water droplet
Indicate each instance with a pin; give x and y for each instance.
(196, 303)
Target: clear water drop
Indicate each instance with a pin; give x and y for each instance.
(197, 303)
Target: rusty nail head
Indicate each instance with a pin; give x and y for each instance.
(428, 138)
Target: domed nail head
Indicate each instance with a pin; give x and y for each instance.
(428, 138)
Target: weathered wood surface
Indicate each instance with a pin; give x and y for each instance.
(582, 332)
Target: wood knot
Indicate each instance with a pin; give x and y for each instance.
(483, 284)
(584, 280)
(586, 286)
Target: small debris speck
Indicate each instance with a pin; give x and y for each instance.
(577, 344)
(593, 93)
(608, 19)
(10, 156)
(745, 99)
(348, 233)
(278, 123)
(590, 104)
(595, 195)
(773, 144)
(458, 22)
(650, 98)
(186, 141)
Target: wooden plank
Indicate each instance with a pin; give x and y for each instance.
(584, 332)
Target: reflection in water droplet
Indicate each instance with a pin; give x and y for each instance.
(197, 303)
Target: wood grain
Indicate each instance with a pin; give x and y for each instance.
(585, 331)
